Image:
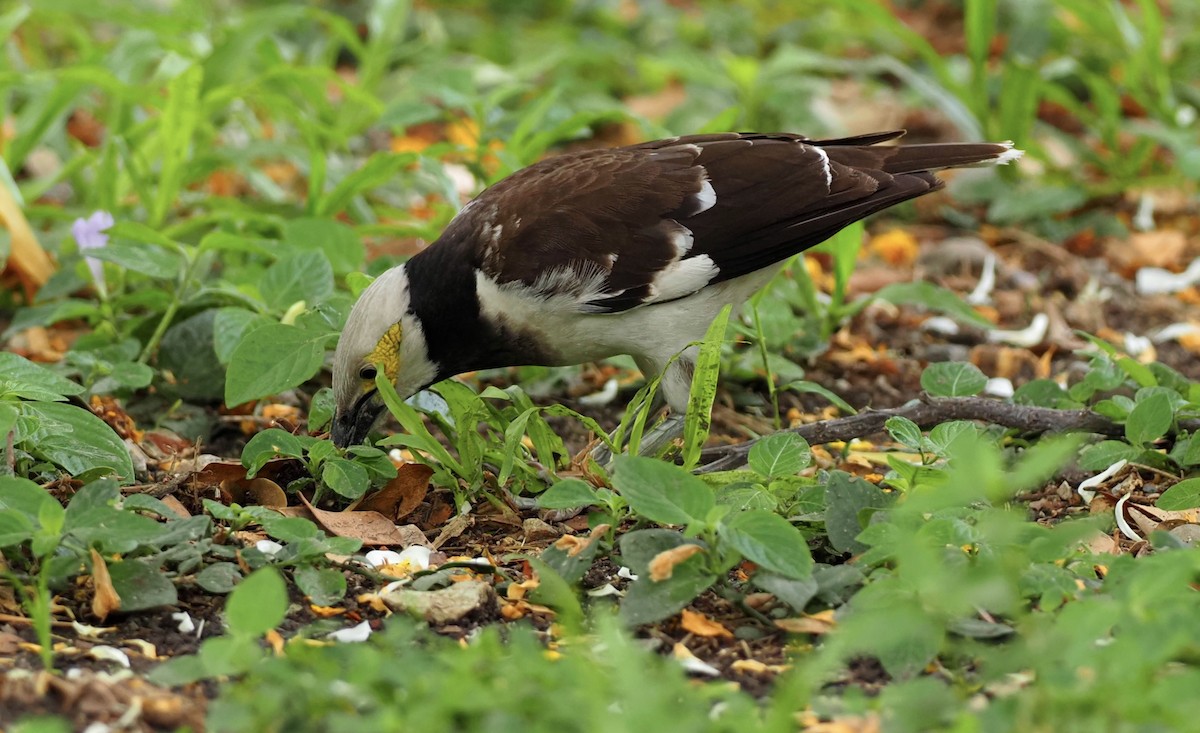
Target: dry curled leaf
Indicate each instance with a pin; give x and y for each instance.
(701, 625)
(104, 599)
(663, 565)
(372, 528)
(400, 496)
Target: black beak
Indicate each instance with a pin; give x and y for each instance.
(352, 426)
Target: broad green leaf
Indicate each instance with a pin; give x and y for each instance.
(345, 477)
(792, 591)
(780, 454)
(340, 244)
(641, 546)
(176, 127)
(953, 379)
(220, 577)
(141, 584)
(229, 325)
(571, 563)
(568, 494)
(647, 601)
(268, 444)
(323, 586)
(904, 431)
(147, 259)
(23, 378)
(75, 440)
(1183, 495)
(846, 497)
(1100, 456)
(272, 359)
(258, 604)
(187, 352)
(770, 541)
(555, 591)
(297, 276)
(1150, 419)
(661, 492)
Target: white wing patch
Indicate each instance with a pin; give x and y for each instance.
(682, 278)
(706, 198)
(682, 240)
(824, 166)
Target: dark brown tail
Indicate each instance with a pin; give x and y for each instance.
(864, 151)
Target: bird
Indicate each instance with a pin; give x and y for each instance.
(630, 250)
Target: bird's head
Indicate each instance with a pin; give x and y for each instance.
(381, 335)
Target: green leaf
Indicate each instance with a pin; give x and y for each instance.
(297, 276)
(794, 592)
(780, 454)
(23, 378)
(641, 546)
(378, 170)
(933, 297)
(272, 359)
(345, 477)
(1150, 419)
(555, 591)
(647, 601)
(323, 586)
(187, 352)
(15, 527)
(953, 379)
(846, 497)
(320, 410)
(905, 431)
(229, 325)
(268, 444)
(341, 246)
(176, 127)
(568, 494)
(698, 420)
(141, 584)
(258, 604)
(661, 492)
(1100, 456)
(147, 259)
(770, 541)
(220, 577)
(1183, 495)
(75, 440)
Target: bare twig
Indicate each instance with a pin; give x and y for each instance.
(929, 411)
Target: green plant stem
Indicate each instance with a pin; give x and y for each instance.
(169, 314)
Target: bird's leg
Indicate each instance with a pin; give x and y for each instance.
(674, 389)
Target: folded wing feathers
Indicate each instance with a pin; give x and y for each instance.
(741, 202)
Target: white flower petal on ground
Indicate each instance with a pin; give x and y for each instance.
(352, 635)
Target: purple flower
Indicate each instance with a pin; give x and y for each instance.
(89, 234)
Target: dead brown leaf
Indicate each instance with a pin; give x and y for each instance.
(817, 623)
(400, 496)
(372, 528)
(259, 491)
(104, 599)
(663, 565)
(701, 625)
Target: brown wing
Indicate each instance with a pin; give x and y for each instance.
(649, 223)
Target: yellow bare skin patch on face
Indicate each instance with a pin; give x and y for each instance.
(387, 354)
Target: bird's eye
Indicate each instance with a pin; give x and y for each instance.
(367, 373)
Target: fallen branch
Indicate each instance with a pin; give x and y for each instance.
(929, 411)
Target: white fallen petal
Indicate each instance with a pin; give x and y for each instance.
(375, 558)
(1157, 281)
(1122, 524)
(1143, 219)
(626, 573)
(107, 653)
(999, 387)
(692, 664)
(1027, 337)
(943, 325)
(415, 556)
(1174, 332)
(354, 634)
(1136, 345)
(184, 621)
(98, 727)
(1086, 486)
(268, 547)
(982, 294)
(91, 632)
(606, 395)
(608, 589)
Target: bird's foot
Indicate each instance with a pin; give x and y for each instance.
(653, 442)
